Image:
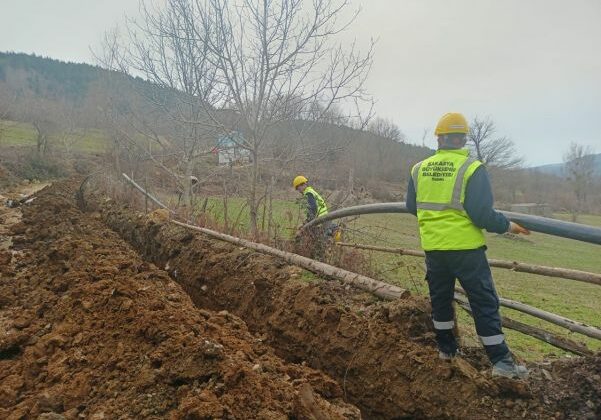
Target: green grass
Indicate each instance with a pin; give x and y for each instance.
(24, 135)
(575, 300)
(587, 219)
(286, 214)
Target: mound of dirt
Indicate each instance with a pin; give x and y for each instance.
(89, 330)
(383, 354)
(572, 387)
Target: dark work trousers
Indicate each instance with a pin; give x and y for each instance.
(472, 269)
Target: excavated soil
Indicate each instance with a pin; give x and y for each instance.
(382, 354)
(90, 330)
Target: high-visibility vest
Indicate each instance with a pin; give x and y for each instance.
(440, 183)
(322, 208)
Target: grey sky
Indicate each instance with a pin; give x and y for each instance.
(534, 66)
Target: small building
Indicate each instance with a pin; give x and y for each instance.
(533, 208)
(230, 151)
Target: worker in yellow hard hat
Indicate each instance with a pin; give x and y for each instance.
(451, 196)
(315, 206)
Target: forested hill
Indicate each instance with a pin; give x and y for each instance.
(559, 168)
(47, 77)
(53, 79)
(49, 92)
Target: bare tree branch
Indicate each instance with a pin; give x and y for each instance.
(492, 150)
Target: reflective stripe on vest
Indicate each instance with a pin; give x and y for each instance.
(439, 183)
(455, 202)
(322, 208)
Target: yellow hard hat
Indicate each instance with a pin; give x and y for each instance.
(452, 122)
(299, 180)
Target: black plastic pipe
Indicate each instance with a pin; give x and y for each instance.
(540, 224)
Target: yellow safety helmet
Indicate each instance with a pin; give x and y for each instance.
(299, 180)
(452, 122)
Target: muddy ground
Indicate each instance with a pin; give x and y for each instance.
(188, 327)
(90, 330)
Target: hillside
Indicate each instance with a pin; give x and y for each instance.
(558, 168)
(50, 98)
(52, 79)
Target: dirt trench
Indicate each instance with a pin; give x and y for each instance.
(90, 330)
(382, 354)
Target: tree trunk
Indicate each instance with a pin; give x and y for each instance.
(188, 184)
(252, 200)
(270, 208)
(225, 209)
(539, 333)
(564, 322)
(264, 211)
(378, 288)
(564, 273)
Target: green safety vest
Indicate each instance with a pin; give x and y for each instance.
(440, 183)
(321, 203)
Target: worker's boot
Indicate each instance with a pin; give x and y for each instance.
(447, 344)
(448, 356)
(508, 368)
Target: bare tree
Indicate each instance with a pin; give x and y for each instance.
(68, 125)
(386, 128)
(247, 64)
(41, 114)
(491, 149)
(7, 105)
(278, 56)
(579, 171)
(167, 118)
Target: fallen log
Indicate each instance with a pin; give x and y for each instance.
(564, 273)
(378, 288)
(536, 332)
(571, 325)
(559, 320)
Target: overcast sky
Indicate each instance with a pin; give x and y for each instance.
(534, 66)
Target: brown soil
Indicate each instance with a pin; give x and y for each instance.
(382, 354)
(89, 330)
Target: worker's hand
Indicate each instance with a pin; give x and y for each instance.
(517, 229)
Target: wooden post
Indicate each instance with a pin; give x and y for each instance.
(567, 323)
(378, 288)
(143, 191)
(539, 333)
(565, 273)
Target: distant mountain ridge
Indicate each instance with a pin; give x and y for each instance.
(558, 168)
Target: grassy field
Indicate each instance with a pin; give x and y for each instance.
(24, 135)
(575, 300)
